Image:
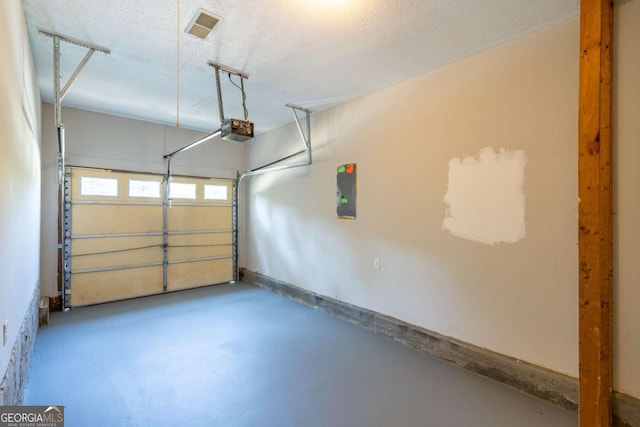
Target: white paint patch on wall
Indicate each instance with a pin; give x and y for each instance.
(485, 197)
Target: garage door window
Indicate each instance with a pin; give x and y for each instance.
(90, 186)
(215, 192)
(150, 189)
(179, 190)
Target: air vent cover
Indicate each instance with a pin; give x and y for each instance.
(202, 23)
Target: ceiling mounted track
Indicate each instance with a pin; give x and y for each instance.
(228, 70)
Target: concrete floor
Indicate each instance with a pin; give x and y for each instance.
(242, 356)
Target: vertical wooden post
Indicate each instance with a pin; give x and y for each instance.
(595, 235)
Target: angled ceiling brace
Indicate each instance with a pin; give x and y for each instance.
(305, 138)
(59, 94)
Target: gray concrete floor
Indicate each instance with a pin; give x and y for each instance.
(242, 356)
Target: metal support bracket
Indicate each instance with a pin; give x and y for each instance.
(305, 138)
(59, 94)
(228, 70)
(238, 130)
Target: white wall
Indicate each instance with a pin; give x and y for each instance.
(516, 295)
(105, 141)
(19, 173)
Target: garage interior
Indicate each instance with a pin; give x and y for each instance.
(314, 212)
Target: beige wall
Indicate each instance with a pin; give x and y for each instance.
(105, 141)
(19, 173)
(511, 287)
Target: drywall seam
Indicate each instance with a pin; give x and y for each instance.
(485, 197)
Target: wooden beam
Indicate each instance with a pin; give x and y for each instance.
(595, 234)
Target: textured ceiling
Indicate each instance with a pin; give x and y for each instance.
(315, 53)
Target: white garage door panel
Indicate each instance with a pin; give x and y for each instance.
(187, 253)
(95, 288)
(225, 238)
(194, 274)
(199, 218)
(92, 245)
(117, 235)
(115, 219)
(117, 258)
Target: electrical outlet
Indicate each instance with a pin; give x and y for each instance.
(376, 263)
(5, 328)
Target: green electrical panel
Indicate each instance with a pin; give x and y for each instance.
(346, 194)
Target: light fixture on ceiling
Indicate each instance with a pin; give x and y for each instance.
(202, 23)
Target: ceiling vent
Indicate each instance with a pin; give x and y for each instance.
(202, 23)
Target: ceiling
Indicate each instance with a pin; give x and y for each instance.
(314, 53)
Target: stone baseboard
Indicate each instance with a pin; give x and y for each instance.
(552, 386)
(12, 386)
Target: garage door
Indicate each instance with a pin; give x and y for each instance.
(123, 243)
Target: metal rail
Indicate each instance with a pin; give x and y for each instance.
(150, 234)
(234, 236)
(146, 265)
(59, 94)
(121, 203)
(306, 139)
(211, 258)
(65, 271)
(116, 268)
(271, 167)
(139, 248)
(194, 144)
